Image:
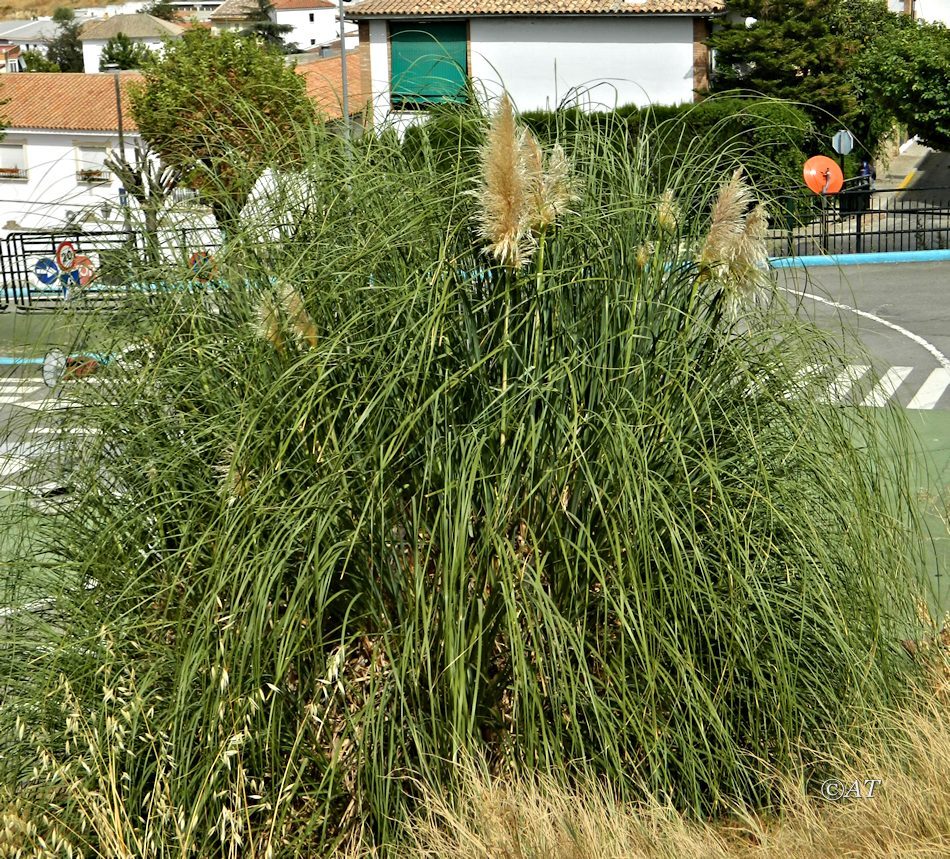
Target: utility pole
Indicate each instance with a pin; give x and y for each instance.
(344, 91)
(123, 193)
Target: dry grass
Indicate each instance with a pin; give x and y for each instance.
(908, 815)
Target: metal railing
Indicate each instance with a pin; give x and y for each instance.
(864, 221)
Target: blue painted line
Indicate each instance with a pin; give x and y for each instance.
(14, 362)
(860, 259)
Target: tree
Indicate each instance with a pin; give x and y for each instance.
(222, 109)
(266, 27)
(121, 51)
(908, 69)
(801, 50)
(37, 62)
(161, 9)
(66, 49)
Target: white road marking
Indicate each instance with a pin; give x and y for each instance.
(932, 390)
(942, 359)
(839, 389)
(887, 386)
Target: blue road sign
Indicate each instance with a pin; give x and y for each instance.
(46, 271)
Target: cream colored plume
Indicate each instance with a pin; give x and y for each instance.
(504, 206)
(523, 189)
(283, 313)
(668, 212)
(734, 252)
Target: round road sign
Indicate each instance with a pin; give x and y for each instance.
(84, 269)
(66, 255)
(46, 271)
(822, 175)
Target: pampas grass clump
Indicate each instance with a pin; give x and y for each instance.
(395, 492)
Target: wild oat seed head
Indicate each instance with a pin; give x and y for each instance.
(503, 195)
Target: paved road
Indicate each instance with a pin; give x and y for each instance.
(931, 180)
(898, 314)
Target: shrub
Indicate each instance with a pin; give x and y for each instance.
(530, 473)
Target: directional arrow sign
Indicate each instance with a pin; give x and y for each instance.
(46, 271)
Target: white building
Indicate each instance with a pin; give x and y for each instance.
(314, 23)
(59, 129)
(29, 35)
(144, 29)
(546, 53)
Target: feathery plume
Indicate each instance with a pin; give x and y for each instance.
(557, 188)
(267, 322)
(668, 212)
(301, 322)
(283, 310)
(644, 252)
(505, 188)
(733, 253)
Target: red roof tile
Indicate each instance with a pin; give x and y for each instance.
(469, 8)
(302, 5)
(64, 101)
(324, 79)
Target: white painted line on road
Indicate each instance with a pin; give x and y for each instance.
(887, 385)
(839, 389)
(942, 359)
(931, 390)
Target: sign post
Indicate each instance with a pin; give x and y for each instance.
(842, 143)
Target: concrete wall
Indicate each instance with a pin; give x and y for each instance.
(52, 190)
(937, 11)
(594, 62)
(92, 51)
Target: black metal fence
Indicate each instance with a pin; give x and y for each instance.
(39, 270)
(863, 221)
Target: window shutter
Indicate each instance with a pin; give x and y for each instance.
(429, 63)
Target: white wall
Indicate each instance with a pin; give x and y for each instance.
(595, 62)
(92, 51)
(937, 11)
(306, 34)
(51, 189)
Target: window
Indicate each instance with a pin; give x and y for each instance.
(313, 41)
(311, 17)
(429, 63)
(91, 164)
(12, 161)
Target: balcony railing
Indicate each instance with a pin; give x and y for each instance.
(95, 175)
(12, 173)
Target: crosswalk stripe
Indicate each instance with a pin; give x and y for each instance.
(839, 389)
(931, 390)
(887, 385)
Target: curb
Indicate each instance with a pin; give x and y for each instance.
(861, 259)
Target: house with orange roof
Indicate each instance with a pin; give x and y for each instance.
(59, 129)
(595, 54)
(140, 28)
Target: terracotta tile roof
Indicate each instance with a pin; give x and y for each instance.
(324, 80)
(302, 5)
(234, 10)
(64, 101)
(139, 26)
(468, 8)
